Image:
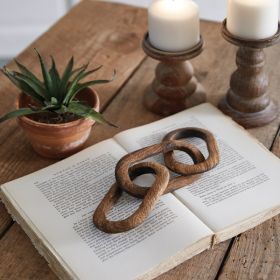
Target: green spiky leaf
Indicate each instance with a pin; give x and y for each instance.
(35, 86)
(28, 73)
(18, 113)
(93, 83)
(22, 85)
(75, 83)
(56, 93)
(46, 75)
(87, 112)
(85, 66)
(65, 78)
(55, 78)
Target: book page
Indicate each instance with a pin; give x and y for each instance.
(245, 183)
(58, 203)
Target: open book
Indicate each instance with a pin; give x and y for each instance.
(55, 205)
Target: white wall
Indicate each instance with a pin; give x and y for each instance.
(212, 9)
(21, 21)
(209, 9)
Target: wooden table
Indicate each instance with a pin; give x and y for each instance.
(111, 34)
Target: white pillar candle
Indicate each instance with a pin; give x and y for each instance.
(173, 24)
(253, 19)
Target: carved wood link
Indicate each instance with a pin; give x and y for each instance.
(131, 166)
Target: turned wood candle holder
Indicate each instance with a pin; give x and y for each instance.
(248, 101)
(174, 87)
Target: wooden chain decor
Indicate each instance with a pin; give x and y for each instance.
(131, 166)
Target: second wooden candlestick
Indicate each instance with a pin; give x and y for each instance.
(175, 87)
(248, 101)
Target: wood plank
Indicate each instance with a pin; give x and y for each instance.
(255, 254)
(13, 251)
(201, 267)
(131, 115)
(206, 265)
(5, 220)
(107, 34)
(79, 33)
(127, 111)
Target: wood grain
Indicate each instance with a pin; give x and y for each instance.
(255, 254)
(17, 158)
(206, 265)
(117, 46)
(20, 260)
(133, 114)
(175, 87)
(5, 220)
(248, 101)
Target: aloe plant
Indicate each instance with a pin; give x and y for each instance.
(56, 93)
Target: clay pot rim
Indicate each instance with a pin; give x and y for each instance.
(96, 107)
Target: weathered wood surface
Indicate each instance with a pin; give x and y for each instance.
(5, 220)
(20, 260)
(255, 254)
(78, 34)
(175, 87)
(122, 101)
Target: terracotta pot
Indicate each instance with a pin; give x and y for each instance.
(59, 140)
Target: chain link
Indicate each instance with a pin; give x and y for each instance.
(132, 166)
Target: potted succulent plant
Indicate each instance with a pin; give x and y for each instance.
(57, 113)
